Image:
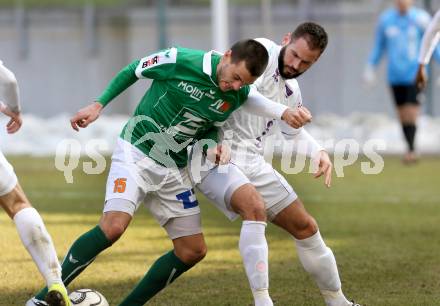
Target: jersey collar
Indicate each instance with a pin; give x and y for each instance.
(210, 65)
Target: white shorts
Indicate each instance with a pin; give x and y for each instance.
(221, 182)
(8, 179)
(167, 193)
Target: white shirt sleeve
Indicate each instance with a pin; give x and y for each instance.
(430, 40)
(259, 105)
(305, 144)
(9, 89)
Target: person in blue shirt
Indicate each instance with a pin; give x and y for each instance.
(398, 35)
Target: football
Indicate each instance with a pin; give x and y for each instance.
(87, 297)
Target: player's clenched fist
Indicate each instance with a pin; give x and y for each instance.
(86, 115)
(298, 117)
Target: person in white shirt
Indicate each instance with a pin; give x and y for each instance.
(429, 42)
(27, 220)
(249, 187)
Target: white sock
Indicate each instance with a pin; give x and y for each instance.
(318, 260)
(254, 252)
(39, 244)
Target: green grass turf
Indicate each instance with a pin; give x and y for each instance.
(383, 229)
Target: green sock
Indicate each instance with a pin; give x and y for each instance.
(81, 254)
(162, 273)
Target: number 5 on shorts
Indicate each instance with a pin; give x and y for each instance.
(120, 185)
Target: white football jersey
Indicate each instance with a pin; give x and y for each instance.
(247, 132)
(9, 88)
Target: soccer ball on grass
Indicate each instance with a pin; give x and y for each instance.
(87, 297)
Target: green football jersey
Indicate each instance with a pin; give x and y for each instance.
(182, 105)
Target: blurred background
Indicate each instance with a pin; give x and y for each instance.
(381, 227)
(64, 53)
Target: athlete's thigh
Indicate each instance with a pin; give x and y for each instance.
(219, 185)
(176, 225)
(125, 188)
(8, 179)
(183, 226)
(175, 198)
(277, 193)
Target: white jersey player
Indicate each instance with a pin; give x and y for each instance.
(29, 224)
(429, 43)
(249, 179)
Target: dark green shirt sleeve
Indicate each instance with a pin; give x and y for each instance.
(211, 134)
(158, 66)
(124, 79)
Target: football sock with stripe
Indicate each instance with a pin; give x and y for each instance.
(162, 273)
(81, 254)
(318, 260)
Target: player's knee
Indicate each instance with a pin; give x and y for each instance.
(15, 207)
(258, 209)
(305, 227)
(259, 212)
(253, 208)
(199, 253)
(114, 224)
(192, 255)
(14, 201)
(113, 230)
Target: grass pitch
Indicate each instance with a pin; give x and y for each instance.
(384, 230)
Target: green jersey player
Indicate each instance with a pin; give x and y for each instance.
(192, 93)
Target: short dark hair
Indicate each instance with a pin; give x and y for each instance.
(313, 33)
(253, 53)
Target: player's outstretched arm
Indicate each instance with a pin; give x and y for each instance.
(15, 122)
(123, 79)
(86, 115)
(148, 67)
